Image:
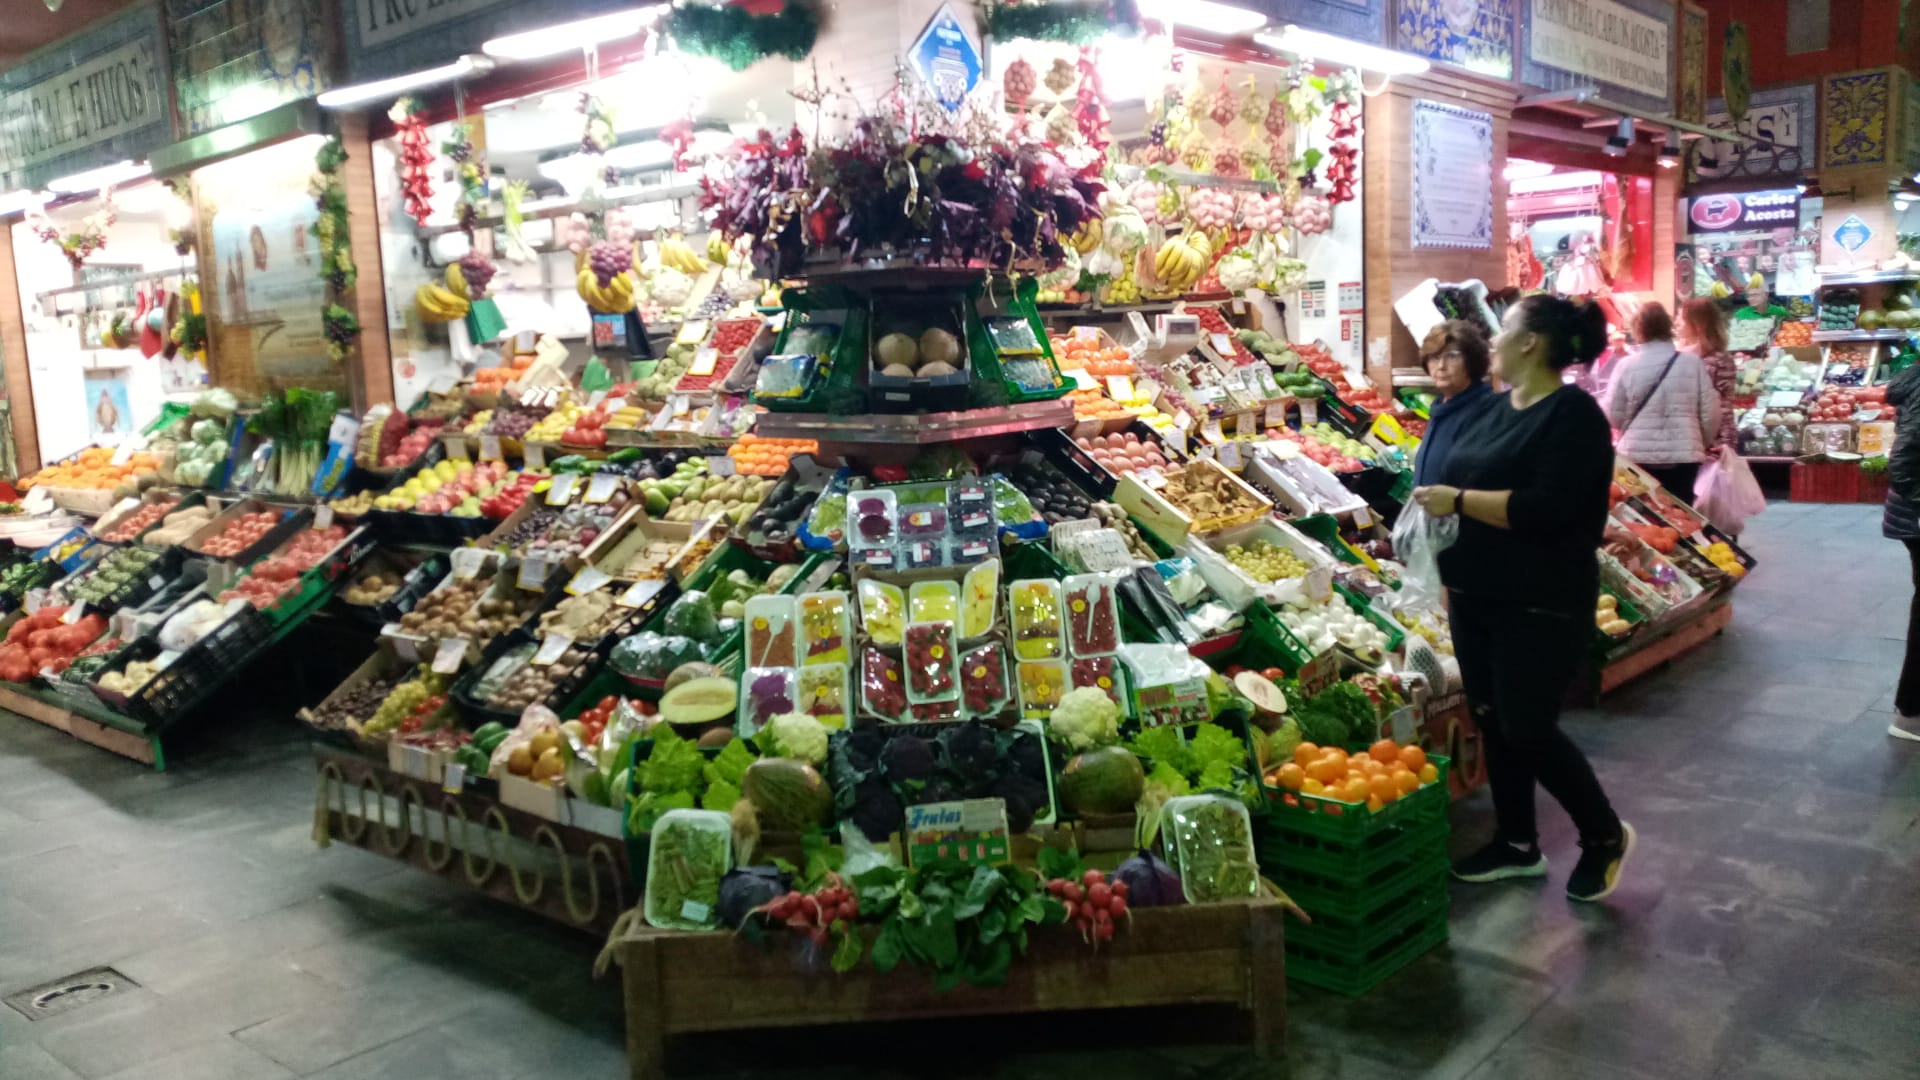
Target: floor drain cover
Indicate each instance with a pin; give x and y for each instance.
(71, 992)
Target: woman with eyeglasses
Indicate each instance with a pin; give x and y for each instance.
(1456, 355)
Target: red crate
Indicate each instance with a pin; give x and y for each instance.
(1825, 482)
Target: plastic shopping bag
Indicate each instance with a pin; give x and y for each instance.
(1418, 540)
(1729, 494)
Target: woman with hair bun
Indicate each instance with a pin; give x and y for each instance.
(1528, 477)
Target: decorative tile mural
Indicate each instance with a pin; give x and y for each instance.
(1690, 97)
(1472, 34)
(238, 58)
(1856, 118)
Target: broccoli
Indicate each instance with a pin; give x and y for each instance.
(907, 757)
(876, 810)
(1024, 753)
(970, 749)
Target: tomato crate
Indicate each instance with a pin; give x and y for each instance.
(1336, 822)
(1354, 975)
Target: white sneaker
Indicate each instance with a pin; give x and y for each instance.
(1905, 727)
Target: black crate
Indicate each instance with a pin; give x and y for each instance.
(196, 673)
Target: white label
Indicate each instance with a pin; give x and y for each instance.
(123, 453)
(639, 593)
(1276, 414)
(124, 624)
(490, 448)
(1152, 479)
(467, 562)
(694, 911)
(552, 648)
(456, 446)
(720, 465)
(1086, 333)
(74, 612)
(322, 516)
(447, 658)
(1319, 582)
(1183, 420)
(536, 456)
(1362, 517)
(1230, 456)
(1223, 344)
(602, 487)
(455, 780)
(533, 573)
(560, 491)
(406, 649)
(703, 362)
(37, 501)
(589, 579)
(530, 397)
(594, 399)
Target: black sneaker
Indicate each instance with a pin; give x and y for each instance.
(1598, 872)
(1499, 860)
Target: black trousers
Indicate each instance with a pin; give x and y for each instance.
(1677, 479)
(1906, 698)
(1518, 664)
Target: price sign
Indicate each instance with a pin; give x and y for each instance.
(720, 465)
(1362, 517)
(467, 562)
(1319, 583)
(1247, 424)
(594, 399)
(1309, 412)
(322, 516)
(1152, 478)
(1120, 388)
(456, 446)
(560, 490)
(1086, 333)
(74, 612)
(1222, 343)
(536, 456)
(447, 658)
(1277, 413)
(533, 573)
(552, 647)
(124, 452)
(404, 647)
(587, 580)
(1230, 456)
(1212, 433)
(692, 332)
(602, 487)
(1148, 390)
(455, 779)
(703, 362)
(490, 448)
(1183, 420)
(1082, 380)
(639, 593)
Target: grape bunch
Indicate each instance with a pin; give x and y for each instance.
(477, 269)
(1094, 904)
(814, 914)
(1157, 134)
(1266, 562)
(406, 698)
(609, 260)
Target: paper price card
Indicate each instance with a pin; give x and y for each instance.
(560, 490)
(1212, 433)
(1086, 333)
(552, 647)
(533, 574)
(720, 465)
(1362, 517)
(703, 362)
(1183, 420)
(692, 332)
(602, 487)
(1276, 414)
(1230, 456)
(447, 658)
(322, 516)
(1319, 583)
(456, 446)
(1152, 478)
(455, 779)
(536, 456)
(587, 580)
(468, 562)
(1223, 343)
(1120, 388)
(490, 448)
(74, 612)
(639, 593)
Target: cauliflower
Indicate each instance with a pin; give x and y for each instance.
(1084, 719)
(798, 736)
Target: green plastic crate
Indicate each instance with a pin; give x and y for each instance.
(840, 383)
(1352, 823)
(986, 358)
(1315, 859)
(1264, 643)
(1355, 975)
(1396, 636)
(1352, 898)
(1357, 929)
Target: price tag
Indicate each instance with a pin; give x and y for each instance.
(1276, 414)
(587, 580)
(720, 465)
(1318, 584)
(1082, 380)
(36, 599)
(490, 448)
(1152, 478)
(692, 332)
(533, 573)
(37, 501)
(1362, 517)
(639, 593)
(1222, 343)
(448, 657)
(1148, 390)
(536, 456)
(124, 452)
(1212, 433)
(602, 487)
(552, 647)
(704, 361)
(1183, 420)
(165, 659)
(455, 780)
(322, 516)
(680, 407)
(468, 562)
(404, 647)
(74, 612)
(1247, 424)
(695, 911)
(1086, 333)
(456, 446)
(560, 491)
(1309, 411)
(1229, 455)
(1120, 388)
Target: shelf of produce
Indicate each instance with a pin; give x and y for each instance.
(1658, 644)
(1230, 954)
(917, 429)
(571, 875)
(1827, 337)
(95, 724)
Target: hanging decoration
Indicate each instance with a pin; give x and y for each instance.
(471, 171)
(90, 237)
(336, 253)
(340, 328)
(739, 37)
(1090, 103)
(1343, 91)
(415, 158)
(599, 135)
(183, 233)
(1075, 22)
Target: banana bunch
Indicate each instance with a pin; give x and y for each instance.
(676, 253)
(1182, 259)
(457, 282)
(438, 303)
(719, 252)
(617, 298)
(1087, 238)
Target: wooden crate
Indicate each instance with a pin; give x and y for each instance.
(1230, 954)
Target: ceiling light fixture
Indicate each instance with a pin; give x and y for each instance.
(1208, 16)
(1670, 150)
(580, 34)
(14, 202)
(1621, 138)
(1338, 50)
(105, 176)
(346, 97)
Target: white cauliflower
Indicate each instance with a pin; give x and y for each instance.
(798, 736)
(1085, 718)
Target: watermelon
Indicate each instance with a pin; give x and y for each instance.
(1107, 780)
(700, 701)
(788, 795)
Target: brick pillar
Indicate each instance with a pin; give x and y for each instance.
(13, 356)
(370, 362)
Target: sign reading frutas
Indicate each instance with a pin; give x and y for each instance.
(1750, 211)
(1604, 40)
(972, 831)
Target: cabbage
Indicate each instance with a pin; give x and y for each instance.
(189, 626)
(208, 432)
(1149, 880)
(218, 402)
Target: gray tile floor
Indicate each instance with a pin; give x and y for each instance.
(1770, 926)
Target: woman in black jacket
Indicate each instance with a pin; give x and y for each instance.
(1528, 477)
(1902, 522)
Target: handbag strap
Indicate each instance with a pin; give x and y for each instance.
(1624, 428)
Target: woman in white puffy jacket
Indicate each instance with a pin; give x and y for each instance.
(1663, 406)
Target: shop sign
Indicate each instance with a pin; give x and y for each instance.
(946, 59)
(98, 97)
(1452, 177)
(1603, 40)
(1747, 211)
(1781, 124)
(970, 830)
(1853, 233)
(385, 38)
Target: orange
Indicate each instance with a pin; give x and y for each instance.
(1327, 771)
(1290, 776)
(1384, 788)
(1369, 765)
(1413, 757)
(1310, 786)
(1355, 791)
(1375, 804)
(1336, 754)
(1384, 751)
(1405, 781)
(1428, 773)
(1306, 754)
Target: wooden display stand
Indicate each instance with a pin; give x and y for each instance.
(1647, 653)
(678, 983)
(125, 737)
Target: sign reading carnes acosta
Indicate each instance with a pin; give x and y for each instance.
(98, 97)
(1603, 40)
(1747, 211)
(381, 21)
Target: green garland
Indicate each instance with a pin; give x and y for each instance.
(1076, 22)
(738, 38)
(336, 249)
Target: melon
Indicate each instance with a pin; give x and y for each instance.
(697, 669)
(1107, 780)
(897, 371)
(896, 349)
(788, 795)
(936, 369)
(937, 346)
(700, 701)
